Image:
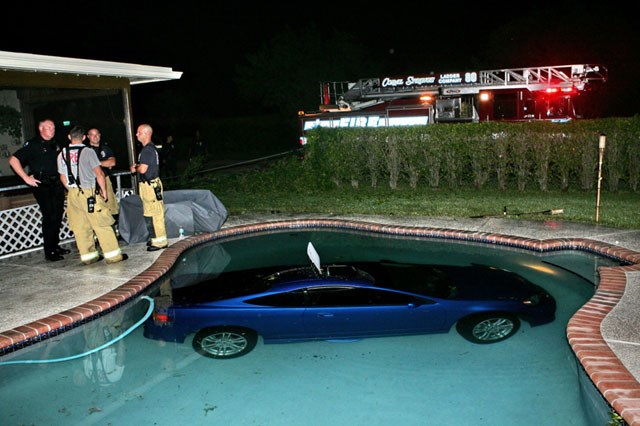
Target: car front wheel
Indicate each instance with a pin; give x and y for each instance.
(224, 342)
(488, 328)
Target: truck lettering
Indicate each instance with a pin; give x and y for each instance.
(392, 82)
(419, 81)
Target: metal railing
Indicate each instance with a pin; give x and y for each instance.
(21, 227)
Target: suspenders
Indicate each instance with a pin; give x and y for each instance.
(71, 180)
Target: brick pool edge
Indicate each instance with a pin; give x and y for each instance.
(613, 380)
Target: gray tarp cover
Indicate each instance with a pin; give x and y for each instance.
(192, 209)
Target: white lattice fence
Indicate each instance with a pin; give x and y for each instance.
(21, 228)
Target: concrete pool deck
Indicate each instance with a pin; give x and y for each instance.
(38, 298)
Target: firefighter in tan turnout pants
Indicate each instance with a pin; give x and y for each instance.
(87, 210)
(150, 189)
(107, 161)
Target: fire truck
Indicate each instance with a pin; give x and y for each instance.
(516, 94)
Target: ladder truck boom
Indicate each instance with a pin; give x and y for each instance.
(532, 78)
(553, 93)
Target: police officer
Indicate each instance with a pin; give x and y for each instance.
(107, 161)
(87, 211)
(39, 155)
(150, 188)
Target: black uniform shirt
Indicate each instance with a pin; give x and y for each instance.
(149, 156)
(104, 153)
(40, 156)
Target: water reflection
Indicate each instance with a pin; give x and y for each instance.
(531, 377)
(106, 366)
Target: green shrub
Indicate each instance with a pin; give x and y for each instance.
(542, 155)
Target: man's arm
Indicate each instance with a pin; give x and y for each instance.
(16, 165)
(141, 168)
(109, 162)
(63, 179)
(101, 182)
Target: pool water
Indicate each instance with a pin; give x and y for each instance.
(530, 379)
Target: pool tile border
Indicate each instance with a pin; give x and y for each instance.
(614, 381)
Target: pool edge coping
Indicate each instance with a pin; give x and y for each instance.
(606, 371)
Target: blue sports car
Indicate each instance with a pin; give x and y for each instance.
(347, 301)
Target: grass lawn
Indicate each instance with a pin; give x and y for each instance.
(620, 210)
(289, 187)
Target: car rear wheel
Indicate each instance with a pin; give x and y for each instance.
(224, 342)
(488, 328)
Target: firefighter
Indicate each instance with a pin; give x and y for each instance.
(87, 209)
(150, 189)
(107, 161)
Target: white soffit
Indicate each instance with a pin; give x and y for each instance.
(137, 74)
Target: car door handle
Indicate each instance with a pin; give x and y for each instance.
(325, 315)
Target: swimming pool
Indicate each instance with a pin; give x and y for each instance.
(533, 378)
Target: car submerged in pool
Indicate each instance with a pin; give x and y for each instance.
(345, 302)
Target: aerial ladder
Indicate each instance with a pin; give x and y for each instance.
(368, 92)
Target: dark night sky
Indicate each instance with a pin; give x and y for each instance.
(186, 32)
(207, 39)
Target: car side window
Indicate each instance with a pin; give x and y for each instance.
(350, 296)
(291, 299)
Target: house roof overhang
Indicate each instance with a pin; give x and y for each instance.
(135, 73)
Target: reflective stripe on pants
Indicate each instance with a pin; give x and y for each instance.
(85, 224)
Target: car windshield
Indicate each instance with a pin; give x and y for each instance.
(334, 272)
(348, 272)
(294, 274)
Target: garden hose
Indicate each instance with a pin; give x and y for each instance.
(506, 213)
(107, 344)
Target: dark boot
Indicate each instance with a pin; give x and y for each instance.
(115, 227)
(148, 222)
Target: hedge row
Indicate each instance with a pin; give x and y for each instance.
(503, 155)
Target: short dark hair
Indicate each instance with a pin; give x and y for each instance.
(76, 133)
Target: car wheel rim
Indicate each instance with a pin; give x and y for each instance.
(224, 344)
(492, 329)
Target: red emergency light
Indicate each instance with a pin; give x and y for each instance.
(326, 97)
(565, 90)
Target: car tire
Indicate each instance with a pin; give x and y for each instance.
(224, 342)
(488, 328)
